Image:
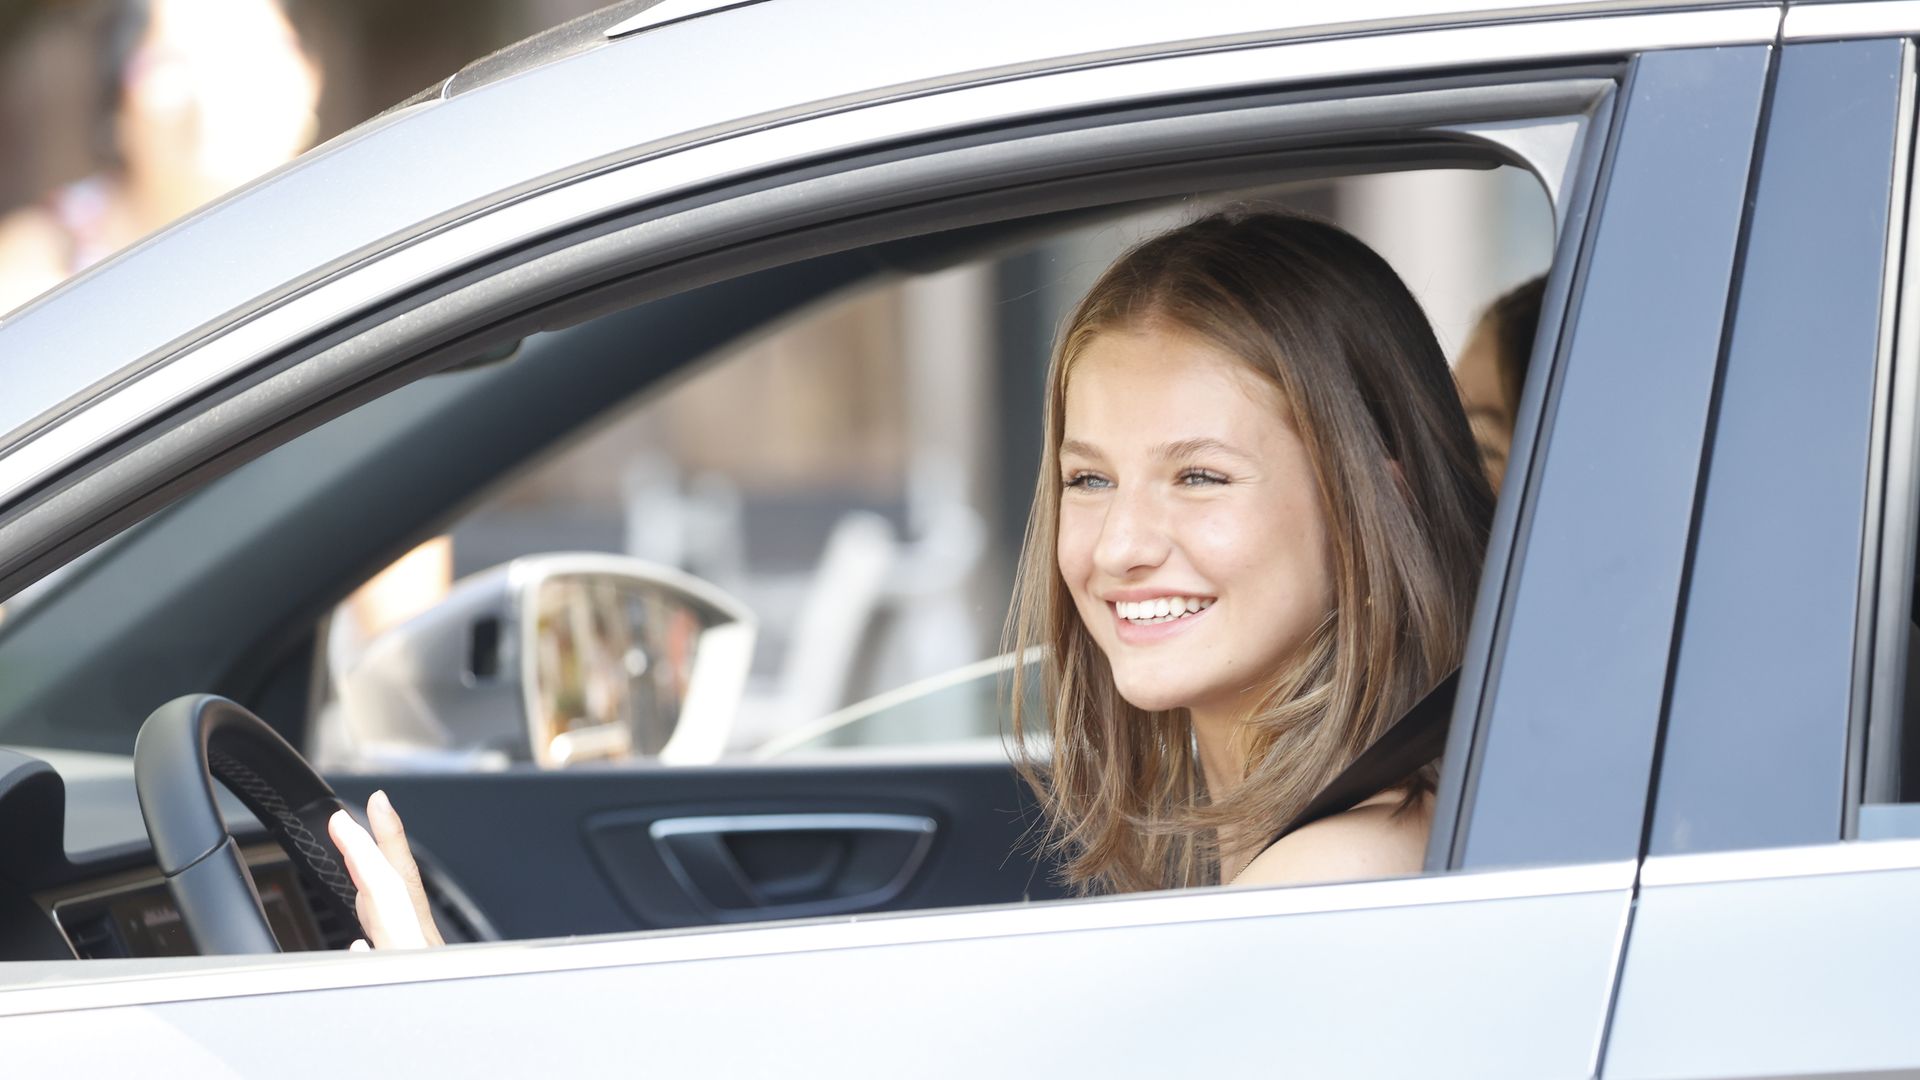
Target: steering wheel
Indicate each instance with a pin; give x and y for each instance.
(182, 748)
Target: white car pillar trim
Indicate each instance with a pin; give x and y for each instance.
(1831, 22)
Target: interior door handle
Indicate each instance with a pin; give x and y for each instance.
(763, 866)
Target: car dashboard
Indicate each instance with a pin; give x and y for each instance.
(131, 914)
(78, 878)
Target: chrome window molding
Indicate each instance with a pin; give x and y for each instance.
(168, 384)
(1819, 860)
(1829, 22)
(797, 822)
(672, 11)
(1886, 571)
(1305, 17)
(211, 978)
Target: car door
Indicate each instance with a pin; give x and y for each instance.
(1503, 965)
(1774, 930)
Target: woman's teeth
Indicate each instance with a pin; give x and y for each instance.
(1164, 609)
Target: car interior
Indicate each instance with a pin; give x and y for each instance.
(226, 579)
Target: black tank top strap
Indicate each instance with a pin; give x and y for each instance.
(1414, 741)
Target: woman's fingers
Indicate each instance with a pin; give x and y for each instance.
(385, 909)
(391, 835)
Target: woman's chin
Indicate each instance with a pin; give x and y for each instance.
(1152, 699)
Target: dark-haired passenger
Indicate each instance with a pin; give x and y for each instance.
(1492, 369)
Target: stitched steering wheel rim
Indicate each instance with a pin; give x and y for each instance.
(183, 747)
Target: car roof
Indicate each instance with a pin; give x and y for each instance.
(574, 99)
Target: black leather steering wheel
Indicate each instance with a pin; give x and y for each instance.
(182, 748)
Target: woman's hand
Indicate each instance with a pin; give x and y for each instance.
(392, 905)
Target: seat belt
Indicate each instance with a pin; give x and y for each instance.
(1411, 743)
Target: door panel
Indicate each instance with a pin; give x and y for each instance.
(1773, 975)
(545, 854)
(1476, 976)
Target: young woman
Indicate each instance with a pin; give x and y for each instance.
(1254, 546)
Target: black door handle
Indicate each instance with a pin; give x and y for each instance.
(767, 866)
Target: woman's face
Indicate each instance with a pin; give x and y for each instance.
(1191, 533)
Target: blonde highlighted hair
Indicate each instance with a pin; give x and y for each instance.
(1326, 321)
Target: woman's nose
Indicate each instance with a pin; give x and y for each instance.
(1133, 536)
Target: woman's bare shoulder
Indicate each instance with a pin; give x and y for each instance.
(1376, 839)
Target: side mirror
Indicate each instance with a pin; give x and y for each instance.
(556, 659)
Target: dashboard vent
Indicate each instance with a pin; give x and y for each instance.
(334, 932)
(449, 914)
(94, 938)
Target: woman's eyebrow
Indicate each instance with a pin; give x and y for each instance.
(1186, 448)
(1075, 446)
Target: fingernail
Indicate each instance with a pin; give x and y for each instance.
(380, 800)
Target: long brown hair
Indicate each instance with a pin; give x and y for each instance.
(1325, 320)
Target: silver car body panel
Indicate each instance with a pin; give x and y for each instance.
(1482, 974)
(1828, 22)
(352, 210)
(1247, 961)
(1793, 962)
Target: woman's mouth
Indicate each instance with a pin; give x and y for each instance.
(1139, 615)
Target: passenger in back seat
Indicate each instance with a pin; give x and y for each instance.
(1492, 370)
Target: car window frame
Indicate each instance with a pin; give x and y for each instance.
(313, 380)
(1537, 92)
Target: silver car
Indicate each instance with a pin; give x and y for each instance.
(1678, 826)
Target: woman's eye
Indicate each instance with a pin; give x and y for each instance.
(1201, 478)
(1088, 481)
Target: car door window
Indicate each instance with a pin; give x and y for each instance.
(858, 479)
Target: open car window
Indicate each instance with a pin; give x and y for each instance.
(857, 477)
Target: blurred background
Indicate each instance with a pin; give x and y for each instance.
(859, 478)
(372, 53)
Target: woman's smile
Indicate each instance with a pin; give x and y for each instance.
(1145, 622)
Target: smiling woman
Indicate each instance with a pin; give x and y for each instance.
(1255, 543)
